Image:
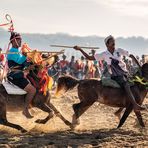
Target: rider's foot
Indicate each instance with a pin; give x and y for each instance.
(138, 108)
(27, 114)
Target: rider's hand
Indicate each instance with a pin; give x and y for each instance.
(25, 74)
(77, 48)
(24, 53)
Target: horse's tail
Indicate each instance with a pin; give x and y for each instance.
(65, 83)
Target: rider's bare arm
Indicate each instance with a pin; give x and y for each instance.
(84, 53)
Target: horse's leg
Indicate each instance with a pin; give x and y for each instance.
(139, 100)
(44, 107)
(125, 115)
(50, 108)
(128, 110)
(9, 124)
(77, 114)
(79, 109)
(140, 119)
(75, 117)
(58, 114)
(118, 112)
(3, 118)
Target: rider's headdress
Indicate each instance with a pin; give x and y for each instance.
(108, 38)
(15, 35)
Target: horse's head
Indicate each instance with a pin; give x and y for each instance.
(144, 70)
(61, 86)
(65, 83)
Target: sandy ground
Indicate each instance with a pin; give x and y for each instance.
(97, 128)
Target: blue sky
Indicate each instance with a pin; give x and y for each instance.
(79, 17)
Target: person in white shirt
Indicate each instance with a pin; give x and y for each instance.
(116, 66)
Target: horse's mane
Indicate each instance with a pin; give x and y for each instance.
(144, 69)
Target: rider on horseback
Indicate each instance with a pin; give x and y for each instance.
(117, 67)
(17, 62)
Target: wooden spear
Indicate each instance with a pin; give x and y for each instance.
(56, 54)
(51, 52)
(65, 46)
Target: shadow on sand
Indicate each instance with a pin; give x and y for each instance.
(96, 138)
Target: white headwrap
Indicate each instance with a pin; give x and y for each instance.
(108, 38)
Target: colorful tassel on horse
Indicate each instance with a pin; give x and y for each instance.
(32, 55)
(46, 81)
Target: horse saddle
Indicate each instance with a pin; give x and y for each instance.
(12, 89)
(107, 81)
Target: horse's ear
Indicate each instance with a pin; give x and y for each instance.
(56, 58)
(145, 70)
(138, 64)
(136, 61)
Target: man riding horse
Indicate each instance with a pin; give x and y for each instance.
(18, 62)
(116, 66)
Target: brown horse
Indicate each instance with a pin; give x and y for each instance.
(14, 103)
(91, 90)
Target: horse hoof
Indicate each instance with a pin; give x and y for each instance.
(68, 123)
(75, 121)
(118, 116)
(118, 126)
(73, 126)
(78, 122)
(24, 131)
(39, 121)
(51, 114)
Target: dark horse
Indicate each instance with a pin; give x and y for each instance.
(14, 103)
(91, 90)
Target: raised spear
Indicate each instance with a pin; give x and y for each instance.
(65, 46)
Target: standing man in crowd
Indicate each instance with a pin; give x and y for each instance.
(64, 65)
